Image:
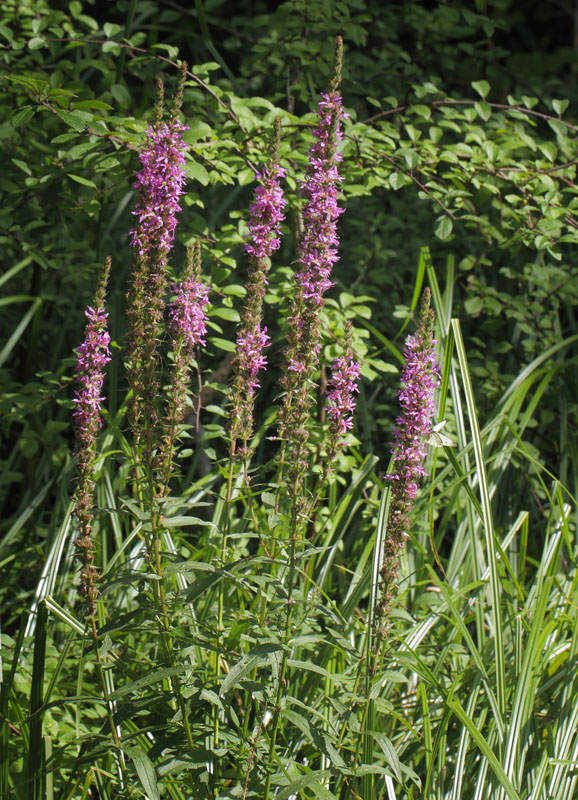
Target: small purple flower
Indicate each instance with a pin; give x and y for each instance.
(266, 213)
(160, 184)
(188, 319)
(340, 397)
(250, 358)
(92, 356)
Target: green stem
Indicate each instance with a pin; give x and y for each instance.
(281, 681)
(108, 702)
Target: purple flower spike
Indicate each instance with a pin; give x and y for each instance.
(318, 246)
(319, 242)
(266, 216)
(317, 253)
(250, 358)
(420, 378)
(188, 319)
(159, 184)
(340, 397)
(92, 356)
(266, 213)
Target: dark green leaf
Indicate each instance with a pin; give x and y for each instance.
(145, 770)
(22, 116)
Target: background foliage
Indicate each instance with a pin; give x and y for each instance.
(461, 139)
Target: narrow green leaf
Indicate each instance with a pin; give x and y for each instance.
(34, 760)
(82, 181)
(491, 552)
(485, 749)
(145, 770)
(148, 680)
(257, 656)
(302, 782)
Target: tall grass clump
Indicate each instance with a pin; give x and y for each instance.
(237, 602)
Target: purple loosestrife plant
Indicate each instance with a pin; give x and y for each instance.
(317, 255)
(159, 184)
(188, 326)
(266, 216)
(92, 357)
(420, 378)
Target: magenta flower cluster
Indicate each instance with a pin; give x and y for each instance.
(160, 185)
(188, 319)
(266, 213)
(420, 377)
(318, 246)
(92, 357)
(250, 358)
(341, 393)
(266, 216)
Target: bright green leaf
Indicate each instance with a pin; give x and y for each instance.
(197, 172)
(481, 87)
(443, 227)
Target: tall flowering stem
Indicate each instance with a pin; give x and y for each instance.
(266, 216)
(159, 184)
(188, 327)
(420, 378)
(91, 358)
(317, 255)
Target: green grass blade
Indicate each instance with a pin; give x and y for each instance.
(491, 554)
(35, 749)
(19, 330)
(485, 749)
